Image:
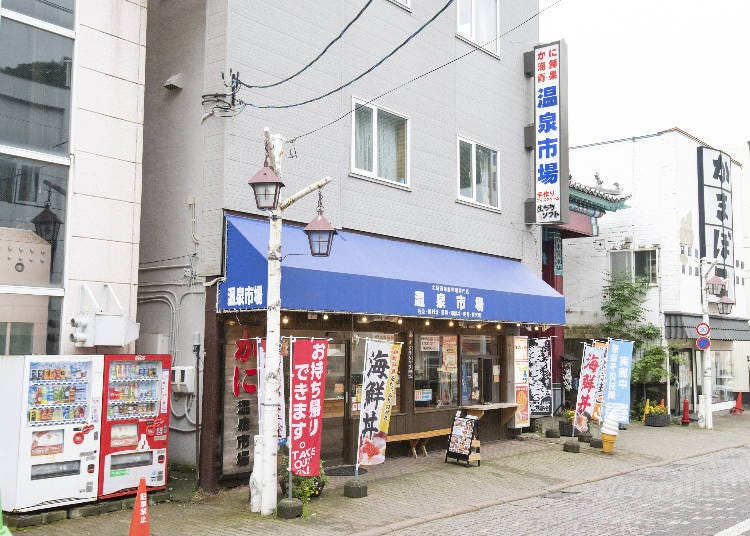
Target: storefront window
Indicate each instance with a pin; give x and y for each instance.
(480, 370)
(59, 12)
(335, 381)
(436, 371)
(723, 376)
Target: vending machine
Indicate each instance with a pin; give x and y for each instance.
(49, 451)
(135, 423)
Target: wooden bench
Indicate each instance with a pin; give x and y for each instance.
(419, 439)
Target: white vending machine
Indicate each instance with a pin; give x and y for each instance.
(49, 454)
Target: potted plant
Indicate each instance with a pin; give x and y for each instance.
(303, 487)
(566, 423)
(657, 416)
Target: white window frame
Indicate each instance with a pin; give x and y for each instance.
(473, 199)
(652, 281)
(374, 173)
(493, 47)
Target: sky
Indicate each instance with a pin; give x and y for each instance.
(641, 66)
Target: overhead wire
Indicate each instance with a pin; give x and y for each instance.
(427, 73)
(310, 64)
(358, 77)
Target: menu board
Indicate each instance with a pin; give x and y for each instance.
(464, 431)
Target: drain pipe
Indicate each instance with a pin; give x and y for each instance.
(197, 354)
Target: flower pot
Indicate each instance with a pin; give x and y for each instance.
(658, 420)
(566, 428)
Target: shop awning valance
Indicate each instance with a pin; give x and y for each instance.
(379, 276)
(682, 326)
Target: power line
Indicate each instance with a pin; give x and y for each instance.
(265, 86)
(427, 73)
(350, 82)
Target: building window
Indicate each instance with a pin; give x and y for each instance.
(35, 88)
(478, 21)
(436, 371)
(477, 173)
(636, 264)
(59, 12)
(380, 144)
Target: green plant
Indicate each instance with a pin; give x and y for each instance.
(568, 414)
(659, 409)
(303, 487)
(624, 312)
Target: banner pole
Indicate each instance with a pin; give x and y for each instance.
(289, 445)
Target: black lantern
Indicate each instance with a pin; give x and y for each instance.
(715, 285)
(266, 187)
(725, 305)
(320, 232)
(47, 225)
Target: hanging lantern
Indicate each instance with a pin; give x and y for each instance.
(266, 186)
(715, 285)
(320, 232)
(725, 305)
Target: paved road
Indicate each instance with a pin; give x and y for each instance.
(696, 496)
(651, 479)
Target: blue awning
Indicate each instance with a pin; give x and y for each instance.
(379, 276)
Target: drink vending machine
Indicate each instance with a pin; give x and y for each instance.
(135, 423)
(49, 452)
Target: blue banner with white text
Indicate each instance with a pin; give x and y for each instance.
(617, 397)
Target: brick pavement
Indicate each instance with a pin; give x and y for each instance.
(404, 492)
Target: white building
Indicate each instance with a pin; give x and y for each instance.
(659, 238)
(71, 124)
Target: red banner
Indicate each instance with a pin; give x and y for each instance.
(306, 422)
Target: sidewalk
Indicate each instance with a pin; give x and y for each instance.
(405, 491)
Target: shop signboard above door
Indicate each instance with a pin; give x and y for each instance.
(378, 276)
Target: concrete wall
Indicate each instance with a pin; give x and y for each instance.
(104, 210)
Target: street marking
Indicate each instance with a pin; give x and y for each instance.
(736, 530)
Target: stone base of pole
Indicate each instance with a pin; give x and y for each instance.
(289, 508)
(551, 432)
(596, 442)
(572, 445)
(355, 489)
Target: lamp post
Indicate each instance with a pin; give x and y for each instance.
(717, 287)
(266, 186)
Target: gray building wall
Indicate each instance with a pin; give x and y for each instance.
(484, 97)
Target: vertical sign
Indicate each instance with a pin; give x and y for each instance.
(540, 377)
(715, 213)
(590, 370)
(551, 136)
(306, 412)
(240, 401)
(617, 387)
(521, 381)
(601, 379)
(378, 397)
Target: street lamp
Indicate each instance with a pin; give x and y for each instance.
(716, 286)
(266, 186)
(320, 232)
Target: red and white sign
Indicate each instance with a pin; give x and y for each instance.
(591, 367)
(306, 405)
(702, 329)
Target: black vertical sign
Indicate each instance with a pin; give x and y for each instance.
(540, 377)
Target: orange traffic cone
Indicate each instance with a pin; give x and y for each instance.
(139, 525)
(737, 409)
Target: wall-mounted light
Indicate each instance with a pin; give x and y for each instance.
(426, 322)
(450, 324)
(479, 326)
(364, 319)
(285, 320)
(400, 321)
(498, 327)
(325, 316)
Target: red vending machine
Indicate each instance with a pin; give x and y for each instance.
(135, 423)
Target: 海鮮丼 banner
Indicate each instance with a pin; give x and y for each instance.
(378, 398)
(590, 370)
(306, 405)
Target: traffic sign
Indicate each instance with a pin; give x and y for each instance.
(703, 343)
(702, 329)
